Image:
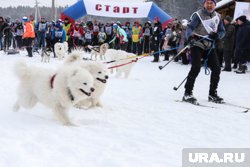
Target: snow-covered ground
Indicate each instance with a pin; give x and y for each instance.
(140, 124)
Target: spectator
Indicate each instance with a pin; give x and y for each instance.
(228, 43)
(242, 43)
(28, 36)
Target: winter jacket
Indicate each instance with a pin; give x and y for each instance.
(60, 34)
(42, 27)
(66, 27)
(135, 33)
(228, 40)
(76, 31)
(29, 30)
(242, 40)
(3, 25)
(121, 34)
(195, 26)
(19, 30)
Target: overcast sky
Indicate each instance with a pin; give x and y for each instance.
(7, 3)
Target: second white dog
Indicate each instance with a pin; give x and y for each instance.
(99, 72)
(120, 57)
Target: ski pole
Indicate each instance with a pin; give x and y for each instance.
(176, 88)
(161, 67)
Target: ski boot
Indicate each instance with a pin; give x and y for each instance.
(213, 97)
(189, 98)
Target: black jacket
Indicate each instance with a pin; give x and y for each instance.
(242, 40)
(228, 40)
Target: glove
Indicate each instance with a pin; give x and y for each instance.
(213, 36)
(191, 41)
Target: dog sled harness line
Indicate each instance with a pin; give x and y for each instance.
(131, 57)
(132, 61)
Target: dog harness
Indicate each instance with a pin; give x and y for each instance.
(52, 81)
(69, 92)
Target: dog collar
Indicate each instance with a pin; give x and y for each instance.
(52, 81)
(68, 89)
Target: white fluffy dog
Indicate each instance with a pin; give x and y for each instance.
(120, 57)
(66, 46)
(61, 49)
(99, 72)
(58, 90)
(98, 51)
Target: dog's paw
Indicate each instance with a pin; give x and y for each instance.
(16, 108)
(99, 104)
(69, 124)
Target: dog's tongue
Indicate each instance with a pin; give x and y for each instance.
(102, 80)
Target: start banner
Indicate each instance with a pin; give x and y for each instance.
(117, 9)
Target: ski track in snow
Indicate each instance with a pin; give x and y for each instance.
(140, 124)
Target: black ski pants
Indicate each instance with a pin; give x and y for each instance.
(213, 63)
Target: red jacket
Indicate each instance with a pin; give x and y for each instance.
(76, 31)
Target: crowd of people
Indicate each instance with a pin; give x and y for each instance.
(138, 38)
(133, 37)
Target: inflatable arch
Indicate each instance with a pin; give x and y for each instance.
(116, 9)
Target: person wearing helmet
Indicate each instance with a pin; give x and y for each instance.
(121, 35)
(28, 35)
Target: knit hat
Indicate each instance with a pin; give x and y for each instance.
(115, 26)
(58, 25)
(242, 18)
(25, 19)
(228, 18)
(210, 0)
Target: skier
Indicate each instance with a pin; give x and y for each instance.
(204, 22)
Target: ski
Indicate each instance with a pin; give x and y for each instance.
(195, 104)
(246, 109)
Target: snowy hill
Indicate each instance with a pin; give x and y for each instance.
(140, 124)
